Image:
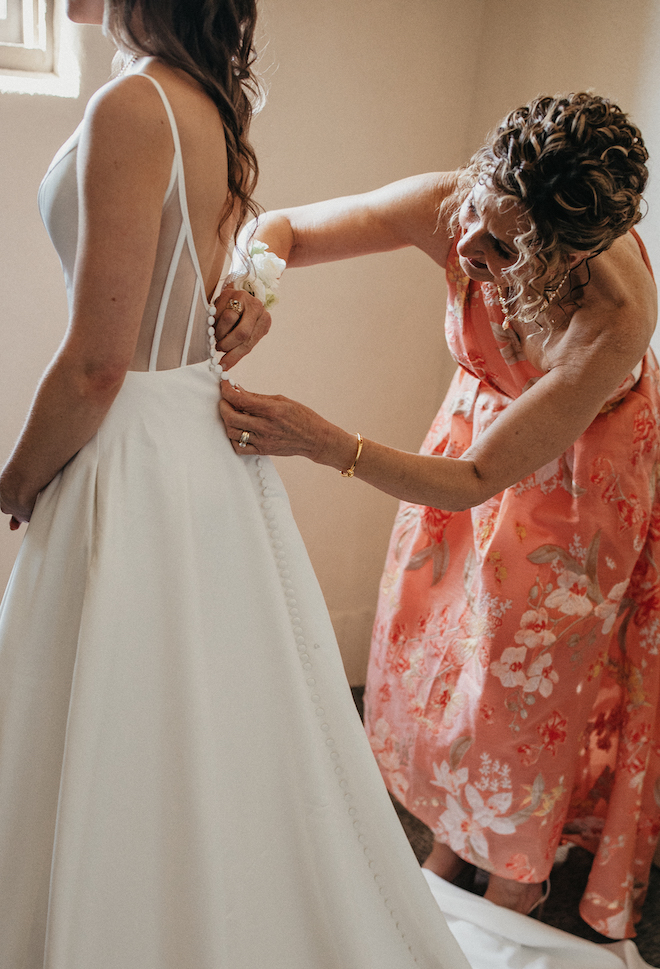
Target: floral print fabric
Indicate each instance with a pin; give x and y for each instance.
(514, 679)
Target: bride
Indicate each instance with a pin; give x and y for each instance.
(184, 781)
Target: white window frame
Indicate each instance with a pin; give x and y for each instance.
(36, 53)
(46, 62)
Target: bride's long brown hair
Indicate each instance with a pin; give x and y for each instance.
(213, 42)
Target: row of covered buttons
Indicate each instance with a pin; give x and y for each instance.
(305, 659)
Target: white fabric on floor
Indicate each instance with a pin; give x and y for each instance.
(495, 938)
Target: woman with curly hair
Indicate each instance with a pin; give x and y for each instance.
(184, 780)
(514, 675)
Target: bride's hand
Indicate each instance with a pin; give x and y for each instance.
(275, 424)
(238, 329)
(18, 512)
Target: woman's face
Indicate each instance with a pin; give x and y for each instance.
(486, 247)
(85, 11)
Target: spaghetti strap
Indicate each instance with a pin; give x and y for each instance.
(183, 198)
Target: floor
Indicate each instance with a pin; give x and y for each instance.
(567, 885)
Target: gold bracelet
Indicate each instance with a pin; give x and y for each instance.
(351, 471)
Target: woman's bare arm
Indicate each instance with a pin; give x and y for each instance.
(605, 339)
(404, 213)
(124, 163)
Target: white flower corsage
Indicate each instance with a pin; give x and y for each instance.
(262, 278)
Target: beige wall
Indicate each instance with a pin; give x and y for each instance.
(360, 94)
(646, 100)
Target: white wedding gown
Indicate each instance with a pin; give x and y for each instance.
(184, 780)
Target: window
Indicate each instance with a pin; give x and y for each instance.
(37, 49)
(26, 31)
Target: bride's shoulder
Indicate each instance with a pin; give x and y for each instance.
(125, 123)
(136, 97)
(125, 102)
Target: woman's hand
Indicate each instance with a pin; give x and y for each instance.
(239, 329)
(277, 425)
(19, 511)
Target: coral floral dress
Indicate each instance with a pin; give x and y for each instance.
(512, 695)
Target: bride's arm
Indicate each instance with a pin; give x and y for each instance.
(124, 164)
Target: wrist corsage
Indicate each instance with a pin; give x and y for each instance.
(262, 278)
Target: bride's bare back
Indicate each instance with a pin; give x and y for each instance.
(152, 208)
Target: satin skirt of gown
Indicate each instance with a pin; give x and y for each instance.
(184, 780)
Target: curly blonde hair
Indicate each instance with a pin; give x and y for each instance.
(577, 167)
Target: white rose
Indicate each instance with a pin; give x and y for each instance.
(263, 274)
(268, 268)
(256, 247)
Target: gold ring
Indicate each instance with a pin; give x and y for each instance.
(235, 305)
(244, 439)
